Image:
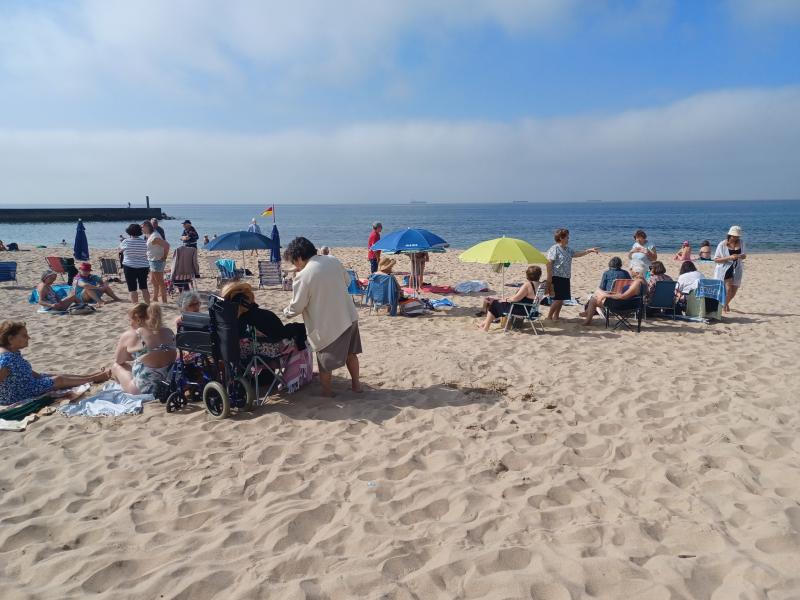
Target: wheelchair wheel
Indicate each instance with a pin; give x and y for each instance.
(246, 391)
(216, 399)
(174, 402)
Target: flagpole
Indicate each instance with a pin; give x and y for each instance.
(273, 214)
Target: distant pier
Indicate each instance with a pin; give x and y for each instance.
(54, 215)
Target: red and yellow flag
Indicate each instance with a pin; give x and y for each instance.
(267, 211)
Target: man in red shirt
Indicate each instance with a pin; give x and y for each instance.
(374, 256)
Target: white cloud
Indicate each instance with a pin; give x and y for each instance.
(766, 12)
(724, 145)
(89, 44)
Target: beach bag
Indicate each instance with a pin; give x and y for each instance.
(412, 308)
(81, 309)
(299, 370)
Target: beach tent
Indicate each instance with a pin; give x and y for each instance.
(411, 241)
(501, 251)
(80, 249)
(241, 240)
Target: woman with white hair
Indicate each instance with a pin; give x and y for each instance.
(730, 266)
(188, 301)
(599, 298)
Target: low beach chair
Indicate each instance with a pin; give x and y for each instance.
(108, 266)
(227, 271)
(663, 298)
(8, 271)
(525, 312)
(623, 312)
(54, 264)
(620, 285)
(354, 288)
(269, 274)
(382, 291)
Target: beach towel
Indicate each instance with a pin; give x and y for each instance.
(442, 303)
(20, 425)
(110, 402)
(62, 290)
(471, 286)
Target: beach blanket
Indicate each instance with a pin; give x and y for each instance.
(442, 303)
(110, 402)
(470, 286)
(20, 425)
(62, 290)
(432, 289)
(20, 410)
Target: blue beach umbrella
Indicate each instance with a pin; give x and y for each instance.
(80, 249)
(275, 255)
(410, 241)
(241, 240)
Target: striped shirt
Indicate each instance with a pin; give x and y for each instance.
(134, 253)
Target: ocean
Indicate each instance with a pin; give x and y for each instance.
(769, 226)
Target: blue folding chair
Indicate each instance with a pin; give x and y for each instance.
(354, 288)
(227, 271)
(382, 290)
(8, 271)
(663, 298)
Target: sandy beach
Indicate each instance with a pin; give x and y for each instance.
(581, 463)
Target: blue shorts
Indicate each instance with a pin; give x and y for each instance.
(157, 266)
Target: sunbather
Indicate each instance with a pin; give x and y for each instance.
(527, 294)
(48, 298)
(684, 252)
(145, 352)
(90, 288)
(18, 380)
(600, 297)
(705, 250)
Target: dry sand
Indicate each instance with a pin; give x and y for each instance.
(579, 463)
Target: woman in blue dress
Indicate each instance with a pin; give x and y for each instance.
(18, 380)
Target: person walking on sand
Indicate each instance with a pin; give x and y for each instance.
(374, 255)
(559, 271)
(729, 257)
(319, 293)
(254, 228)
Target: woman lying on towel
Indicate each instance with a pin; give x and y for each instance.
(145, 352)
(600, 297)
(525, 295)
(48, 298)
(266, 322)
(18, 380)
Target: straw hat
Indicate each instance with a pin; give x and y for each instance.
(238, 288)
(735, 230)
(386, 263)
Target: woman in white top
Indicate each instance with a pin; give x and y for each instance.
(730, 263)
(157, 251)
(688, 278)
(641, 251)
(135, 263)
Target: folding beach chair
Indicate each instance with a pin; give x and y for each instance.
(227, 271)
(620, 285)
(269, 273)
(525, 312)
(354, 288)
(8, 271)
(624, 311)
(54, 264)
(706, 302)
(382, 291)
(108, 266)
(663, 298)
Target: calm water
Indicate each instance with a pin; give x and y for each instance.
(768, 225)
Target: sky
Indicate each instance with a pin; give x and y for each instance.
(254, 101)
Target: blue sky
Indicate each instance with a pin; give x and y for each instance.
(479, 99)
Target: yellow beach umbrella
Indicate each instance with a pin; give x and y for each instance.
(503, 250)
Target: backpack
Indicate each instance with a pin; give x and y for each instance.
(412, 308)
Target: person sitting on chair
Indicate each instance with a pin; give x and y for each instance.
(90, 288)
(658, 272)
(600, 297)
(526, 294)
(188, 301)
(615, 271)
(385, 267)
(145, 352)
(266, 322)
(48, 298)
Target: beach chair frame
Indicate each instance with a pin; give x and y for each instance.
(56, 264)
(663, 298)
(623, 311)
(354, 288)
(108, 266)
(8, 271)
(269, 274)
(526, 312)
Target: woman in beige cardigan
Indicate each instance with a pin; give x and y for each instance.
(319, 293)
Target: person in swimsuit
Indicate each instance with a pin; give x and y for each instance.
(684, 253)
(48, 299)
(527, 294)
(18, 380)
(145, 352)
(705, 250)
(598, 299)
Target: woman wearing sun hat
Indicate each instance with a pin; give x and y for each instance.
(729, 259)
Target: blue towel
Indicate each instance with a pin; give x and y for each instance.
(61, 289)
